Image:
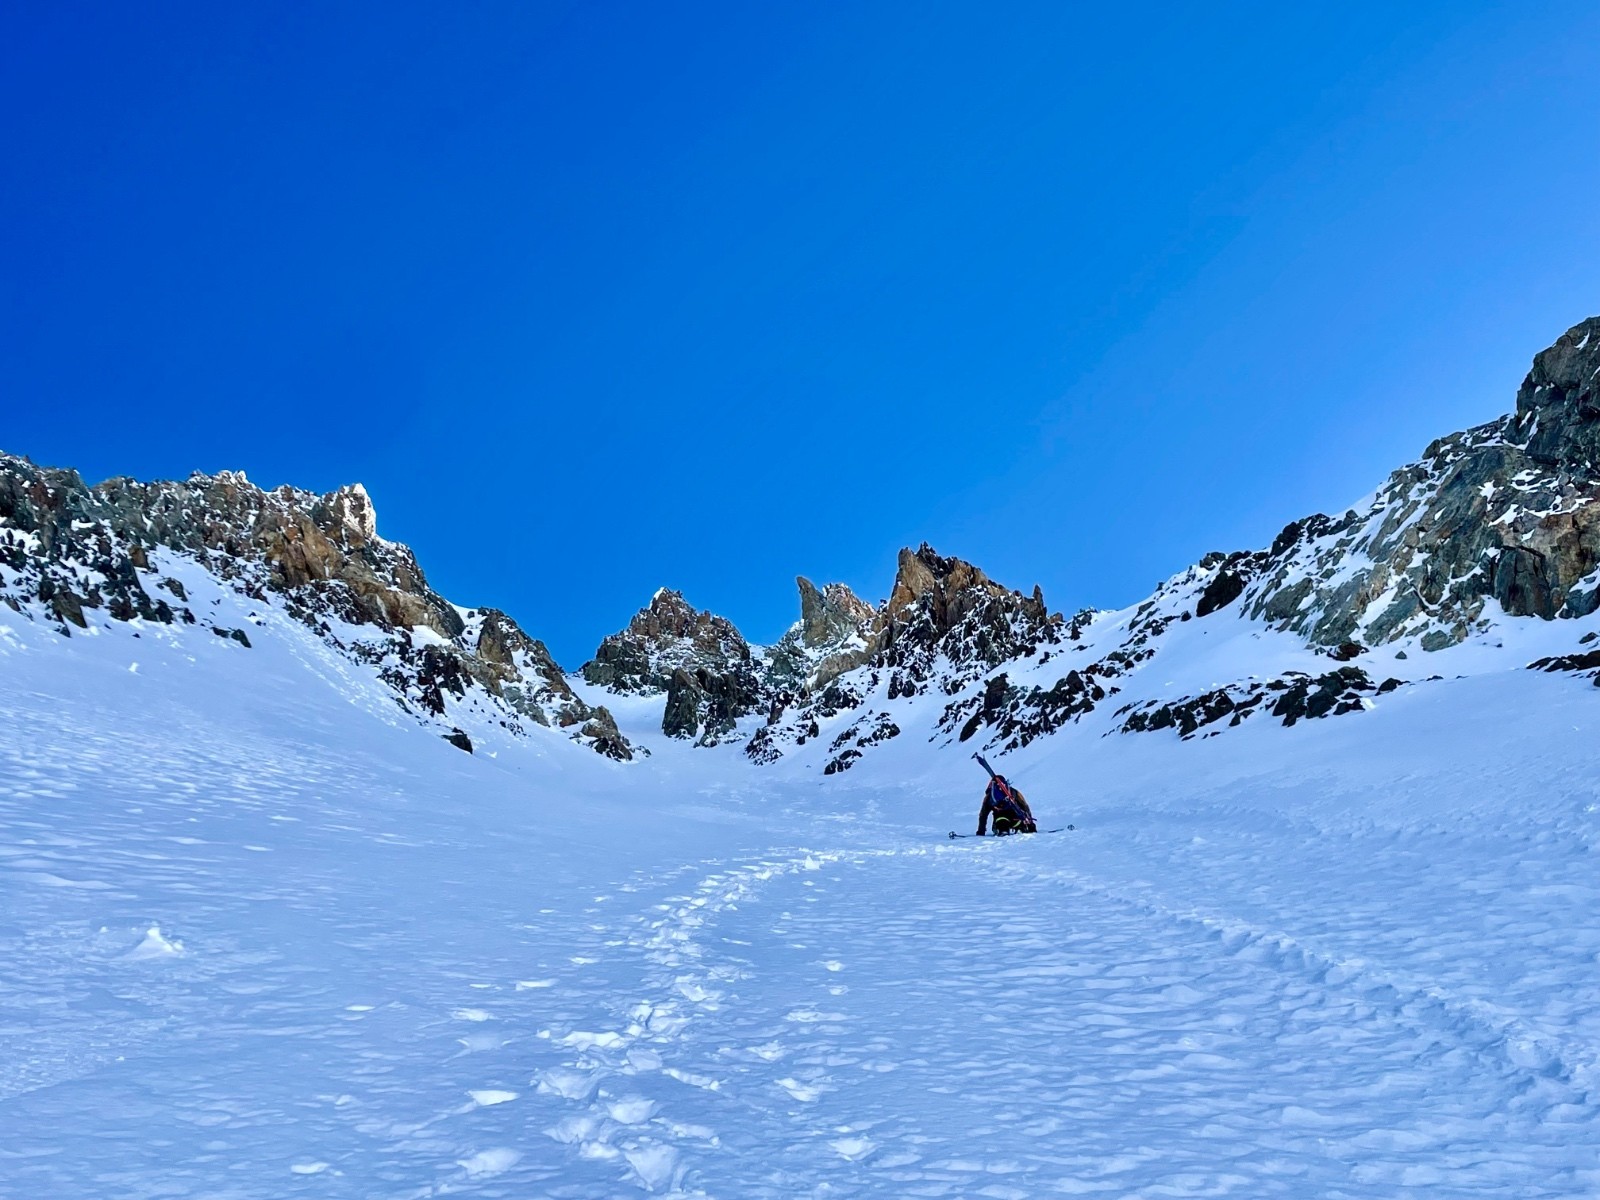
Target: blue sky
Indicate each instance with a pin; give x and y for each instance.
(600, 297)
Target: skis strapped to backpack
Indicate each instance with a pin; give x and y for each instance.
(1005, 802)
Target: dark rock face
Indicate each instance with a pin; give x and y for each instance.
(1581, 661)
(666, 634)
(1557, 421)
(1294, 697)
(1222, 591)
(601, 733)
(705, 705)
(63, 554)
(77, 553)
(944, 606)
(703, 664)
(522, 673)
(861, 735)
(684, 697)
(1015, 716)
(1508, 511)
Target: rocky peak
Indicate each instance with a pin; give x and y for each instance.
(502, 642)
(348, 514)
(945, 622)
(701, 661)
(835, 634)
(934, 597)
(666, 634)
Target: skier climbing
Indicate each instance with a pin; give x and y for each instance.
(1005, 804)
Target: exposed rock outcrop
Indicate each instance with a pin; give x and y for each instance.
(708, 671)
(1508, 511)
(832, 616)
(834, 635)
(75, 553)
(945, 625)
(1295, 697)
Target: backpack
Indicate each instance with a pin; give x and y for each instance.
(1004, 803)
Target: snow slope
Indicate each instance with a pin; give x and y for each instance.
(264, 938)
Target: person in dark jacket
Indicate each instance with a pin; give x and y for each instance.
(1008, 807)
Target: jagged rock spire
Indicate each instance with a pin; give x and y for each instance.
(830, 616)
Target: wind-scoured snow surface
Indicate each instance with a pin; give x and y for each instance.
(263, 936)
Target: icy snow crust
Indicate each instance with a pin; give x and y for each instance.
(263, 937)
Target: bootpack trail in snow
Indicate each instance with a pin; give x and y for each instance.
(267, 942)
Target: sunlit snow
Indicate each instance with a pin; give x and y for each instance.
(264, 938)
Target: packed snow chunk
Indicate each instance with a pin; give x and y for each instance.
(653, 1165)
(634, 1110)
(569, 1084)
(524, 985)
(584, 1041)
(488, 1097)
(471, 1014)
(485, 1163)
(154, 946)
(642, 1058)
(853, 1149)
(803, 1092)
(705, 1082)
(309, 1168)
(691, 990)
(574, 1130)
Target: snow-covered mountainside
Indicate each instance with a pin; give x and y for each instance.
(1500, 523)
(216, 555)
(1495, 525)
(267, 932)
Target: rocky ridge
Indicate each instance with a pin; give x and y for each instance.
(1502, 520)
(1508, 511)
(1498, 522)
(71, 554)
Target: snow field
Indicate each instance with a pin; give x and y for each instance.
(265, 940)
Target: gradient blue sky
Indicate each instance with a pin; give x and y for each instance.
(600, 297)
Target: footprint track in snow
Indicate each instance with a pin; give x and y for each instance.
(1085, 1011)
